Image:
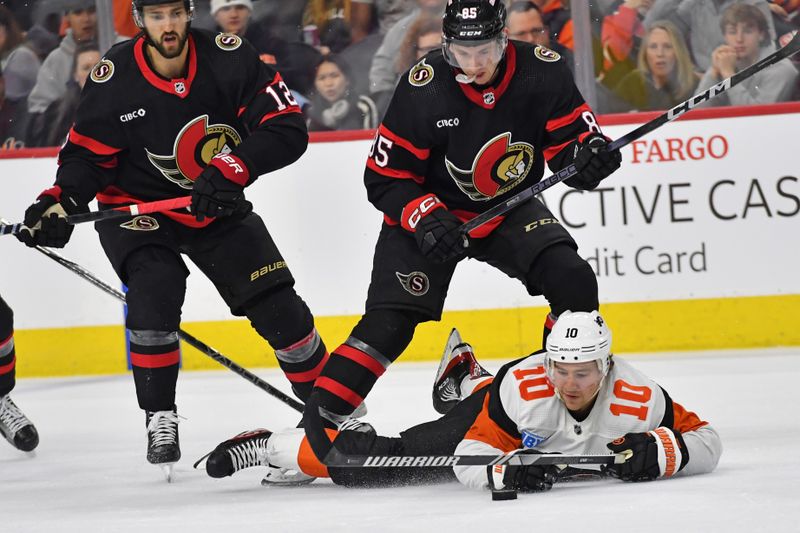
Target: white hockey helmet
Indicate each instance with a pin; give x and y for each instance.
(578, 338)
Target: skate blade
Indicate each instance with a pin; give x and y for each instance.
(168, 469)
(298, 483)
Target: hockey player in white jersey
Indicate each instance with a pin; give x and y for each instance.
(573, 398)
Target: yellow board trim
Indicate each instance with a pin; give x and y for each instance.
(708, 324)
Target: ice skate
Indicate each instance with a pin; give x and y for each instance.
(15, 426)
(245, 450)
(163, 444)
(458, 362)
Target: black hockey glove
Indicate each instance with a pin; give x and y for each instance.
(594, 163)
(45, 221)
(523, 478)
(434, 227)
(219, 190)
(657, 453)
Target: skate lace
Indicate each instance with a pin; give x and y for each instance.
(248, 453)
(11, 417)
(447, 391)
(163, 427)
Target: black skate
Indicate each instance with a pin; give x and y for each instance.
(245, 450)
(15, 426)
(458, 362)
(163, 444)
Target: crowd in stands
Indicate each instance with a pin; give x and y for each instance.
(343, 58)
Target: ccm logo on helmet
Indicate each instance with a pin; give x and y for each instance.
(127, 117)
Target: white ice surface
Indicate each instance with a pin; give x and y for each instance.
(90, 474)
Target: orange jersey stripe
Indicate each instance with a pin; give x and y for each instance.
(685, 420)
(484, 429)
(308, 462)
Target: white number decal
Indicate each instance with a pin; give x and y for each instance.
(379, 152)
(469, 13)
(589, 119)
(285, 92)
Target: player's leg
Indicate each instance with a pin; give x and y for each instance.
(406, 289)
(150, 266)
(532, 246)
(14, 425)
(239, 256)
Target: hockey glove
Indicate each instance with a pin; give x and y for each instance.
(523, 478)
(650, 455)
(45, 221)
(435, 229)
(219, 190)
(594, 162)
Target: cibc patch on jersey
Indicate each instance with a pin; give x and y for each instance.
(499, 167)
(420, 74)
(194, 147)
(102, 71)
(228, 41)
(416, 283)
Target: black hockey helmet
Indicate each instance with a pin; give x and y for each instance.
(138, 5)
(473, 23)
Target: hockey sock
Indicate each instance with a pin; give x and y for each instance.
(7, 357)
(302, 362)
(549, 322)
(155, 357)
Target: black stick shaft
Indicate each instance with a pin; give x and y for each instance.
(500, 209)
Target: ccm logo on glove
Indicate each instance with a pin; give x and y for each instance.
(416, 209)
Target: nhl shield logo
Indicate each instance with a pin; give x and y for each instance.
(416, 283)
(194, 147)
(499, 167)
(488, 98)
(141, 223)
(180, 87)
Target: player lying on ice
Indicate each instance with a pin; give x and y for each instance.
(575, 397)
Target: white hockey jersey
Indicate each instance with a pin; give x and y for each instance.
(522, 410)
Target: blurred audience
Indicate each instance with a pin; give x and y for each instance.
(746, 41)
(664, 75)
(12, 128)
(333, 105)
(60, 116)
(423, 36)
(388, 12)
(621, 38)
(19, 62)
(526, 23)
(332, 25)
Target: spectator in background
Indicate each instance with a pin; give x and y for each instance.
(621, 36)
(665, 75)
(698, 21)
(333, 105)
(382, 75)
(389, 12)
(11, 127)
(18, 61)
(123, 19)
(61, 115)
(234, 16)
(558, 20)
(56, 71)
(746, 41)
(422, 37)
(525, 23)
(332, 25)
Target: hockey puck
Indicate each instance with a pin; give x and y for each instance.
(504, 494)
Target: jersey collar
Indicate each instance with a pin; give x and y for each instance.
(178, 86)
(488, 97)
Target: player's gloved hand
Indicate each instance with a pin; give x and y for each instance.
(595, 162)
(45, 221)
(650, 455)
(523, 478)
(435, 229)
(219, 189)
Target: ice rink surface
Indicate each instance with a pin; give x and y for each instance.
(89, 473)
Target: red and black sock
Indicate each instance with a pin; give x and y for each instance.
(155, 357)
(302, 362)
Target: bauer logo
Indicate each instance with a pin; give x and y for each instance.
(416, 283)
(141, 223)
(531, 440)
(102, 71)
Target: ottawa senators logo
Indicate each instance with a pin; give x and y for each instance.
(416, 283)
(545, 54)
(102, 71)
(194, 147)
(228, 41)
(420, 74)
(141, 223)
(499, 167)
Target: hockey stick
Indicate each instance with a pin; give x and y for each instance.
(184, 336)
(114, 212)
(500, 209)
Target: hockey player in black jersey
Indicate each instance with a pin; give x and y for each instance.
(179, 111)
(467, 127)
(14, 425)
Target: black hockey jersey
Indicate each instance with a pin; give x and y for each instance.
(472, 146)
(140, 137)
